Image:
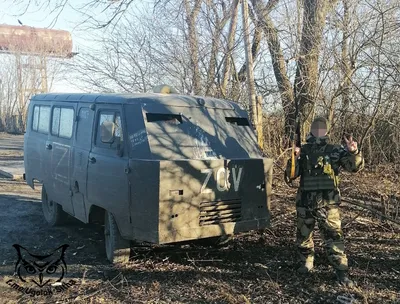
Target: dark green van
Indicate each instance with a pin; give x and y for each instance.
(158, 168)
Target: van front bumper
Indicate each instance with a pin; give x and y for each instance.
(201, 232)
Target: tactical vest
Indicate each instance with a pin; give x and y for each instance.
(317, 170)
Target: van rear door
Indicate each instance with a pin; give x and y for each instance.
(60, 144)
(36, 154)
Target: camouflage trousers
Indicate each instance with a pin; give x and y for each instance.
(322, 208)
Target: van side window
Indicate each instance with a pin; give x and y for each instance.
(55, 126)
(239, 121)
(84, 127)
(110, 116)
(168, 118)
(41, 119)
(63, 122)
(118, 131)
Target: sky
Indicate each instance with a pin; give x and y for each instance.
(69, 19)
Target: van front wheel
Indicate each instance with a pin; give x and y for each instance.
(53, 212)
(117, 249)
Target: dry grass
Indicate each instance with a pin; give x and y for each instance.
(253, 268)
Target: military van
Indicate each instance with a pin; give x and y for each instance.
(154, 168)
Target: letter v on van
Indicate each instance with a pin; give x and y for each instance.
(237, 178)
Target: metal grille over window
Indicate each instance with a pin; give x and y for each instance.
(212, 213)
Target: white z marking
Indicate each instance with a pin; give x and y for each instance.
(204, 188)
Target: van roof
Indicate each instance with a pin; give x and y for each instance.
(142, 98)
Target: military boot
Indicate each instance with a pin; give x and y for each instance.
(307, 267)
(343, 278)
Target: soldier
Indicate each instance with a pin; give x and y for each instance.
(317, 164)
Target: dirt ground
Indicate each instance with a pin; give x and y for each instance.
(253, 268)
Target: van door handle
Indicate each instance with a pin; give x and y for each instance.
(92, 160)
(49, 146)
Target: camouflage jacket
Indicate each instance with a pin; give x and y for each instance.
(339, 157)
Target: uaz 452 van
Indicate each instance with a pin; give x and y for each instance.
(157, 168)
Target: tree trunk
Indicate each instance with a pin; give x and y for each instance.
(249, 62)
(230, 44)
(279, 65)
(216, 28)
(191, 17)
(255, 47)
(306, 79)
(260, 124)
(346, 65)
(213, 63)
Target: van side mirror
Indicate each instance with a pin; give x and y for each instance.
(108, 132)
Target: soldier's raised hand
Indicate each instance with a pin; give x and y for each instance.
(351, 144)
(297, 151)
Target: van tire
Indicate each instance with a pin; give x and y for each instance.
(53, 212)
(118, 250)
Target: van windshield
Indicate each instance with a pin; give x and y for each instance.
(193, 133)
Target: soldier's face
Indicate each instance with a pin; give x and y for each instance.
(318, 129)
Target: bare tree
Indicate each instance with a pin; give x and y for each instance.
(306, 81)
(229, 47)
(325, 56)
(92, 11)
(20, 79)
(191, 16)
(278, 61)
(216, 25)
(249, 64)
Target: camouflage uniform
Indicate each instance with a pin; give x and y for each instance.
(318, 197)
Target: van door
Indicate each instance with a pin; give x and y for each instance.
(80, 156)
(60, 144)
(107, 184)
(37, 156)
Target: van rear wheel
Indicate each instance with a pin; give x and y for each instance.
(117, 249)
(53, 212)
